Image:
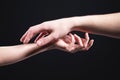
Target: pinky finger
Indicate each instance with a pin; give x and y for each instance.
(89, 44)
(87, 39)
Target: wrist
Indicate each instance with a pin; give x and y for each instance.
(80, 23)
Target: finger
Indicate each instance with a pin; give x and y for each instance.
(67, 39)
(41, 35)
(89, 45)
(31, 32)
(72, 38)
(46, 40)
(28, 37)
(86, 39)
(23, 37)
(78, 40)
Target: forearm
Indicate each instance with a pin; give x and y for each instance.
(105, 24)
(13, 54)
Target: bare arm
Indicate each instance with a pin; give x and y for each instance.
(105, 24)
(102, 24)
(70, 43)
(16, 53)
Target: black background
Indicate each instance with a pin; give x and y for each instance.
(100, 62)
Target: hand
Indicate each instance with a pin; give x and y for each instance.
(56, 29)
(73, 43)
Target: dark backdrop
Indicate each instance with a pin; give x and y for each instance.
(100, 62)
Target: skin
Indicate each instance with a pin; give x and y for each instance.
(102, 24)
(70, 43)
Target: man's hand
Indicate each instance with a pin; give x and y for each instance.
(55, 28)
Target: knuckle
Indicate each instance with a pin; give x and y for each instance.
(44, 24)
(47, 25)
(31, 29)
(55, 36)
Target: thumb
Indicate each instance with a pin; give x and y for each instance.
(46, 40)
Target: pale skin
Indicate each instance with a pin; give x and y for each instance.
(70, 43)
(103, 24)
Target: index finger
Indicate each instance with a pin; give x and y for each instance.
(46, 40)
(31, 32)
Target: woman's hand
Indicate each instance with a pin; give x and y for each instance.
(73, 43)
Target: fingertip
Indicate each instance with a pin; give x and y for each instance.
(76, 36)
(78, 39)
(92, 41)
(73, 38)
(87, 36)
(86, 33)
(24, 36)
(20, 40)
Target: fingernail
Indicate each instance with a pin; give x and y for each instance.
(20, 40)
(75, 35)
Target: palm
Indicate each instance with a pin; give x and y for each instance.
(73, 43)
